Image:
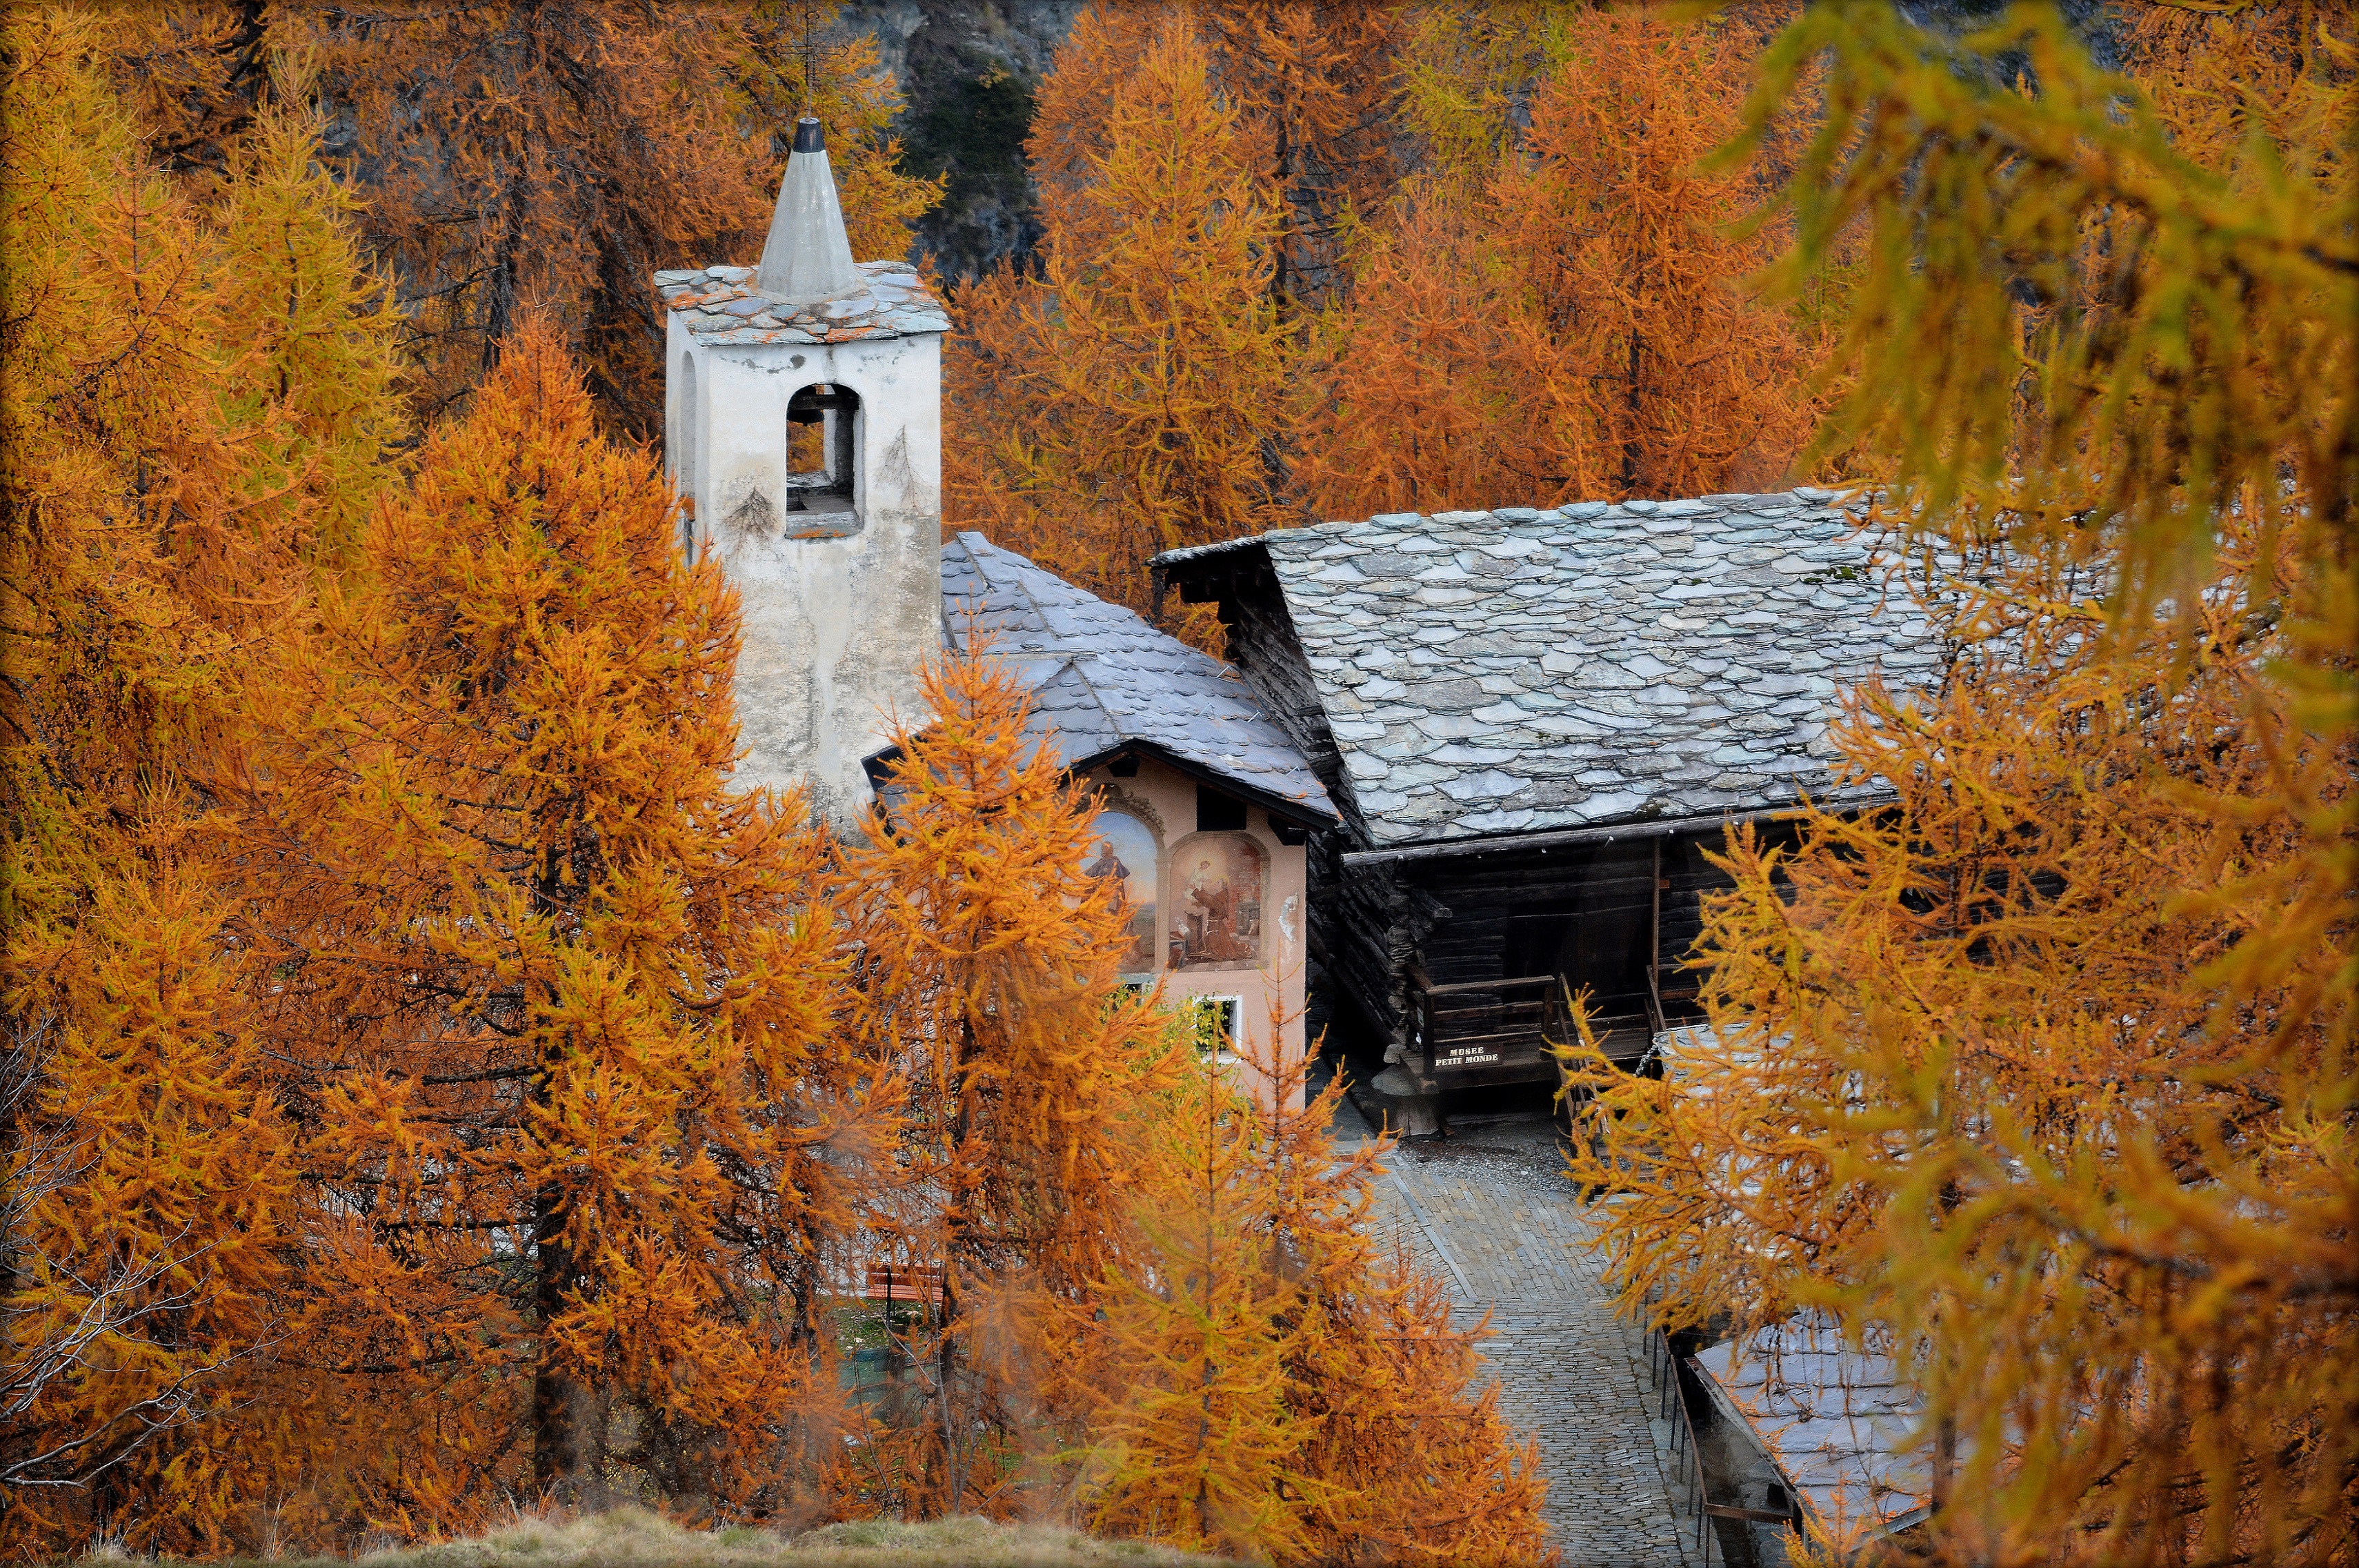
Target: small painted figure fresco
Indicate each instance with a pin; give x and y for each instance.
(1123, 848)
(1216, 921)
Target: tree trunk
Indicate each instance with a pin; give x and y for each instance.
(556, 1397)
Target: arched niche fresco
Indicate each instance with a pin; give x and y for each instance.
(1219, 883)
(1123, 847)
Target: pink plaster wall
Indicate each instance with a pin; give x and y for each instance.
(1164, 801)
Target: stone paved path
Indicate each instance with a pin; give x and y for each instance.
(1488, 1211)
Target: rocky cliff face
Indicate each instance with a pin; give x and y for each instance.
(2093, 20)
(969, 69)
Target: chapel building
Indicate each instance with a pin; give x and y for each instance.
(802, 425)
(1463, 766)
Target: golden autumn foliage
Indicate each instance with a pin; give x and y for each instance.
(1311, 84)
(1567, 317)
(1201, 174)
(1157, 1299)
(798, 56)
(1121, 403)
(540, 160)
(2042, 1079)
(430, 1085)
(171, 466)
(1303, 262)
(989, 972)
(573, 994)
(1267, 1383)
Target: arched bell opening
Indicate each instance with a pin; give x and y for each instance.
(823, 423)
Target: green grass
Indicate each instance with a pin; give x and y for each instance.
(633, 1538)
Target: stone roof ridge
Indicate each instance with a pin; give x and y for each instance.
(1031, 577)
(721, 305)
(1718, 504)
(1049, 595)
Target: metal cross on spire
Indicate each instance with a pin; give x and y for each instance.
(811, 59)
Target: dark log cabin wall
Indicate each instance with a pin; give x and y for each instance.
(1580, 910)
(1359, 922)
(1378, 931)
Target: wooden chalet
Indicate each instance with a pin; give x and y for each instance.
(1533, 725)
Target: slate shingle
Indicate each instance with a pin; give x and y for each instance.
(1522, 671)
(721, 305)
(1102, 678)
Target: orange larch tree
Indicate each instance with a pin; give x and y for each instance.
(570, 1090)
(989, 966)
(171, 462)
(1312, 84)
(1131, 397)
(2042, 1080)
(1190, 1437)
(515, 159)
(798, 58)
(1571, 320)
(1260, 1378)
(537, 159)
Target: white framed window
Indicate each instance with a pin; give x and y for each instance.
(1214, 1023)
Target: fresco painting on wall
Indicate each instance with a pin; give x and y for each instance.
(1217, 896)
(1124, 849)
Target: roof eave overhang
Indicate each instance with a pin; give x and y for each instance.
(1301, 813)
(1625, 829)
(1201, 572)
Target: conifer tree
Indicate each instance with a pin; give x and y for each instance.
(989, 964)
(1311, 82)
(159, 500)
(320, 319)
(1192, 1440)
(798, 58)
(520, 157)
(1266, 1380)
(1568, 319)
(562, 999)
(1129, 399)
(2041, 1080)
(1405, 1456)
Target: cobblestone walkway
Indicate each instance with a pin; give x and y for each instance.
(1489, 1210)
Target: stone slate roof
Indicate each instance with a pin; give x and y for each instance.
(1104, 680)
(1521, 670)
(1836, 1420)
(724, 306)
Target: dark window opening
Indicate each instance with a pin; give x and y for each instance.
(1217, 813)
(822, 422)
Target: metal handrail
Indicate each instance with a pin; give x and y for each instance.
(1663, 1367)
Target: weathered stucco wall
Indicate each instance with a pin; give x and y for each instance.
(836, 629)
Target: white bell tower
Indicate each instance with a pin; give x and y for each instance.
(802, 423)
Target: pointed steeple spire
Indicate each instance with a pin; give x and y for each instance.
(808, 258)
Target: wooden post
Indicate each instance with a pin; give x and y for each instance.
(1654, 918)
